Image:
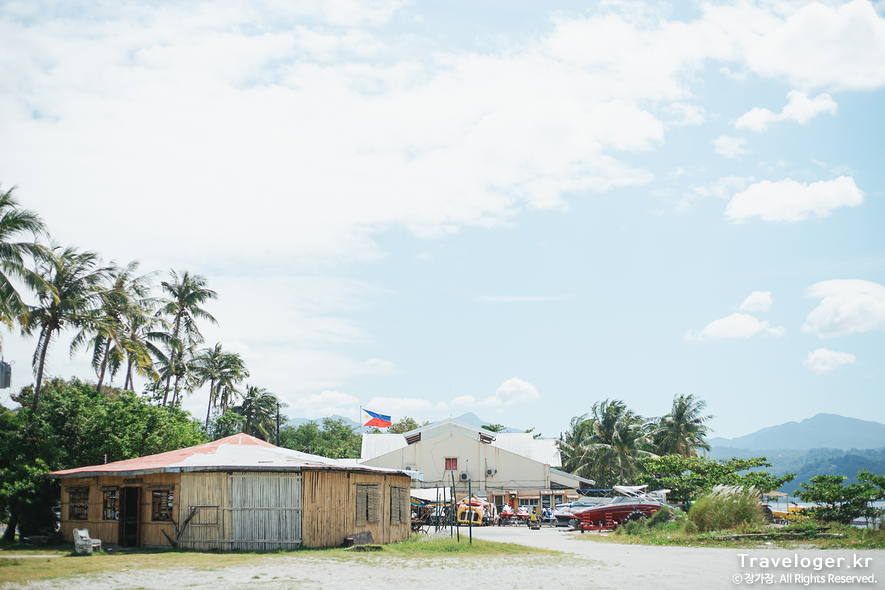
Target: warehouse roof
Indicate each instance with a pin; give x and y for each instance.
(238, 452)
(542, 450)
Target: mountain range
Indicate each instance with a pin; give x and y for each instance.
(823, 431)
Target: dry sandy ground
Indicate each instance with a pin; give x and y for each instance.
(585, 564)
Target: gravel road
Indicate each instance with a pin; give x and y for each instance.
(584, 564)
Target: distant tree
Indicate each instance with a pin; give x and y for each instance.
(682, 431)
(15, 224)
(493, 427)
(332, 438)
(74, 426)
(228, 424)
(534, 434)
(574, 446)
(185, 294)
(259, 410)
(405, 424)
(222, 370)
(689, 477)
(76, 281)
(126, 295)
(843, 503)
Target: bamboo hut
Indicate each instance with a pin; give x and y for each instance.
(239, 492)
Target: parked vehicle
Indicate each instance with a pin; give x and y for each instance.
(633, 503)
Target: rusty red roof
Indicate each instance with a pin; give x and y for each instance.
(241, 452)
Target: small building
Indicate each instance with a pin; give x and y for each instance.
(243, 493)
(509, 468)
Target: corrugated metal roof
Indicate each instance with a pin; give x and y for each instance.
(240, 451)
(522, 444)
(375, 445)
(538, 449)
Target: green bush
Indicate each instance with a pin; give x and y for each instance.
(662, 516)
(726, 507)
(632, 527)
(690, 527)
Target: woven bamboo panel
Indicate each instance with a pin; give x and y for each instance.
(108, 530)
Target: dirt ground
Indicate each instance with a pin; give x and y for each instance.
(583, 564)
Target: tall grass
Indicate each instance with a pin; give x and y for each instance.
(726, 507)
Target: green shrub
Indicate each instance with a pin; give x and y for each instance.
(726, 507)
(662, 516)
(632, 527)
(690, 527)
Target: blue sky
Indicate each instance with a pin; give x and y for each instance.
(515, 209)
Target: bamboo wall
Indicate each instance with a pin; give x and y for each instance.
(242, 510)
(329, 508)
(259, 511)
(108, 530)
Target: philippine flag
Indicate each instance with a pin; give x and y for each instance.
(372, 419)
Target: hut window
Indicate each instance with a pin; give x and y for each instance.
(400, 505)
(366, 504)
(78, 503)
(451, 464)
(110, 504)
(161, 505)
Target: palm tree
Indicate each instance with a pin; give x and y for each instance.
(76, 280)
(682, 431)
(631, 441)
(223, 371)
(186, 293)
(127, 295)
(15, 221)
(607, 441)
(574, 445)
(141, 330)
(258, 409)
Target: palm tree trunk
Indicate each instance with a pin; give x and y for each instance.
(175, 390)
(128, 372)
(209, 409)
(166, 393)
(45, 336)
(104, 364)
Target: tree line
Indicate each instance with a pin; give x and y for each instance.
(131, 324)
(613, 445)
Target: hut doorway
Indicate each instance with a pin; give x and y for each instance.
(130, 500)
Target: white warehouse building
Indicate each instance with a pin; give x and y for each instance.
(511, 468)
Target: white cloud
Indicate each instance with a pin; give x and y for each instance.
(737, 325)
(822, 360)
(757, 301)
(511, 392)
(323, 404)
(270, 102)
(730, 147)
(789, 201)
(847, 306)
(721, 188)
(380, 366)
(685, 114)
(819, 45)
(800, 109)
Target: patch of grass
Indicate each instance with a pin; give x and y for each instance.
(441, 546)
(7, 562)
(726, 507)
(61, 562)
(802, 536)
